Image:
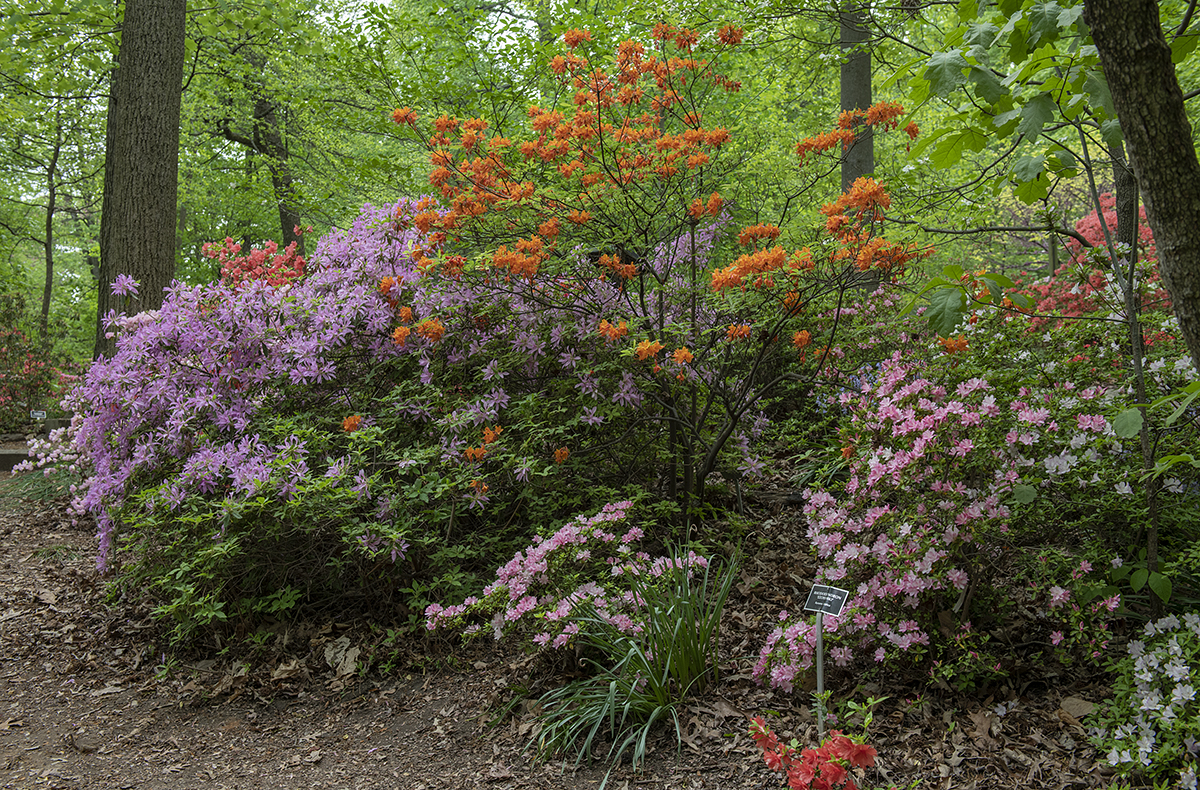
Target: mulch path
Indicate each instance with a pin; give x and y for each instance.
(89, 699)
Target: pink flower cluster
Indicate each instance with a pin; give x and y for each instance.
(933, 471)
(542, 583)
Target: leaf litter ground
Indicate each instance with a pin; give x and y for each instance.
(87, 699)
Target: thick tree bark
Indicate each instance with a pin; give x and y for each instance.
(856, 91)
(141, 165)
(1137, 63)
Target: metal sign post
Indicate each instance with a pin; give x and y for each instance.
(823, 600)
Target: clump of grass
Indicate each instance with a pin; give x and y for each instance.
(643, 677)
(36, 486)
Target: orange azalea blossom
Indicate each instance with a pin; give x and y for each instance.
(479, 486)
(886, 114)
(613, 263)
(400, 335)
(912, 130)
(431, 329)
(491, 434)
(561, 455)
(578, 217)
(406, 314)
(682, 355)
(404, 115)
(752, 233)
(952, 345)
(848, 452)
(801, 260)
(475, 453)
(737, 332)
(686, 39)
(612, 333)
(801, 338)
(645, 349)
(351, 423)
(446, 123)
(574, 37)
(751, 265)
(730, 35)
(385, 285)
(824, 142)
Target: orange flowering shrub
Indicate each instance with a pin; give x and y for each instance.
(561, 455)
(630, 123)
(611, 333)
(431, 329)
(737, 332)
(351, 423)
(646, 350)
(952, 345)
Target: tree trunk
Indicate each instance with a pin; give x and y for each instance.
(269, 140)
(859, 160)
(1137, 63)
(141, 164)
(51, 207)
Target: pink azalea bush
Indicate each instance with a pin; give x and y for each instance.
(951, 468)
(580, 567)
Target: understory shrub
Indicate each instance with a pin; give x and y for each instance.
(961, 466)
(31, 377)
(646, 627)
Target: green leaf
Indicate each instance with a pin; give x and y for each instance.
(950, 148)
(1183, 46)
(1018, 49)
(1028, 168)
(1161, 585)
(946, 309)
(1005, 122)
(981, 34)
(1043, 22)
(1128, 423)
(1024, 494)
(987, 87)
(1069, 15)
(1036, 114)
(1137, 580)
(1185, 397)
(1030, 192)
(1097, 90)
(945, 71)
(952, 272)
(1021, 300)
(1110, 133)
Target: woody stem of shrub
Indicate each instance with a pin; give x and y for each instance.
(1127, 224)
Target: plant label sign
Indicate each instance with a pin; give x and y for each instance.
(37, 415)
(826, 600)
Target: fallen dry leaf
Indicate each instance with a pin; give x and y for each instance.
(1077, 707)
